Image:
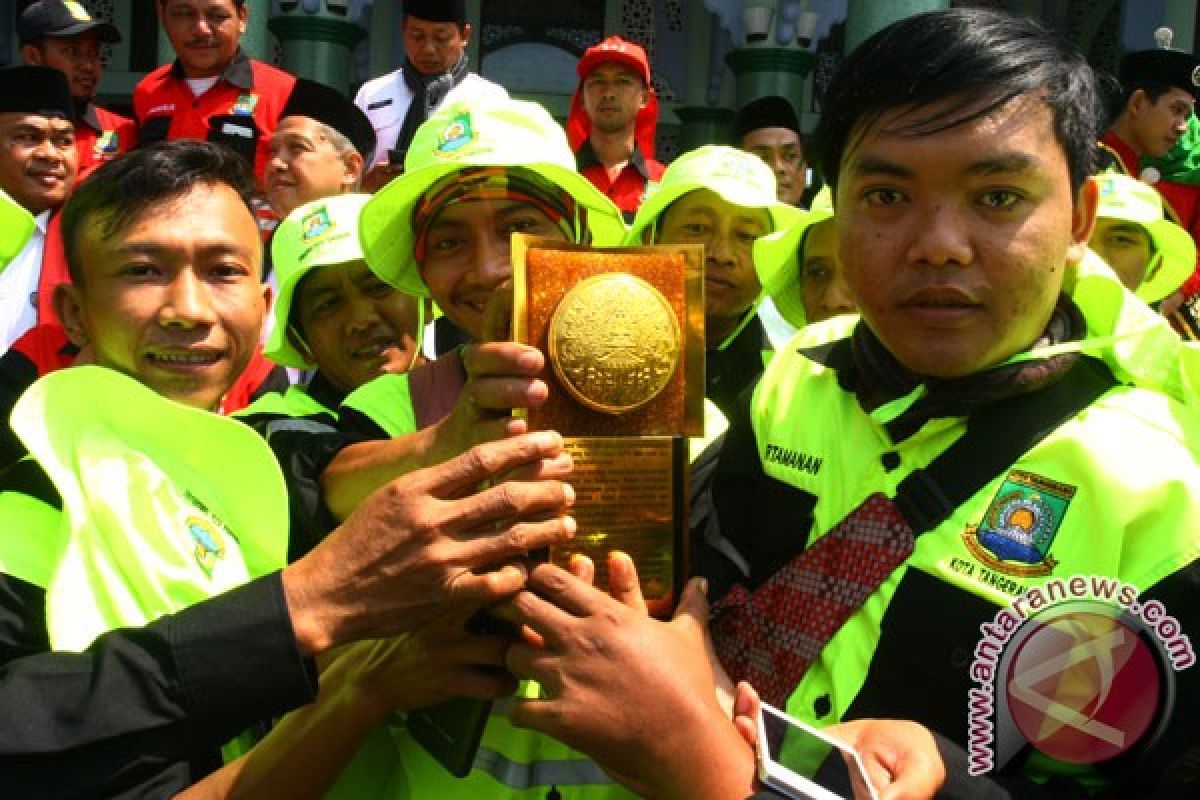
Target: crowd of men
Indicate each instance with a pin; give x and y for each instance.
(250, 515)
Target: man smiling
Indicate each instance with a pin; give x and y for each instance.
(64, 36)
(37, 169)
(212, 91)
(148, 611)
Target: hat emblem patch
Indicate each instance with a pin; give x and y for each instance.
(76, 10)
(457, 134)
(316, 224)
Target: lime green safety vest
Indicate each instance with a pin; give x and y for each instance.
(387, 401)
(1122, 510)
(163, 505)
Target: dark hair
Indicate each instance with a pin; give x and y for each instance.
(978, 58)
(119, 191)
(236, 3)
(462, 26)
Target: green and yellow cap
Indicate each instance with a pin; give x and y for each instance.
(317, 234)
(460, 136)
(738, 177)
(1126, 198)
(777, 259)
(16, 226)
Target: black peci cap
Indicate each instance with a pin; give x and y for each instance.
(772, 111)
(437, 10)
(1167, 67)
(324, 104)
(61, 18)
(35, 90)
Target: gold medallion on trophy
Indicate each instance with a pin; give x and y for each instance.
(614, 342)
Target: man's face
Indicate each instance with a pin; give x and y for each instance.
(77, 57)
(175, 300)
(783, 152)
(37, 159)
(727, 232)
(304, 166)
(356, 326)
(467, 254)
(1157, 125)
(434, 47)
(612, 96)
(1126, 246)
(954, 243)
(822, 280)
(203, 33)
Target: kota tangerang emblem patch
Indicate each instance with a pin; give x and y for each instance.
(1020, 524)
(456, 135)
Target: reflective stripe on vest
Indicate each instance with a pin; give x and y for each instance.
(515, 775)
(512, 764)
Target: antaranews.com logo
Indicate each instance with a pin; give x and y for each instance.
(1081, 668)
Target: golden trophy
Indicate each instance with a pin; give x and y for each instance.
(623, 332)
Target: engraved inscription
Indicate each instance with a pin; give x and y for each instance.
(614, 342)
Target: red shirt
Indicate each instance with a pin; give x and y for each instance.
(241, 110)
(101, 136)
(1181, 201)
(629, 189)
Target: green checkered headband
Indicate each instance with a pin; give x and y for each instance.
(497, 183)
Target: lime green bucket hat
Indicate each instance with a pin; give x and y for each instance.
(738, 177)
(317, 234)
(777, 259)
(1126, 198)
(461, 135)
(16, 226)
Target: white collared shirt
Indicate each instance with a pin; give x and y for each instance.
(385, 101)
(19, 284)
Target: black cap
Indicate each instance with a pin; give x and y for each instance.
(324, 104)
(1167, 67)
(437, 10)
(61, 18)
(765, 112)
(35, 90)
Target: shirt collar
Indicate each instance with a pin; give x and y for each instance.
(42, 220)
(586, 157)
(240, 72)
(90, 118)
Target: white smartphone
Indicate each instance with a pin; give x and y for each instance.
(774, 728)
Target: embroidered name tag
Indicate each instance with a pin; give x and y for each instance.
(237, 130)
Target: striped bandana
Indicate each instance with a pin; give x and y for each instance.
(496, 183)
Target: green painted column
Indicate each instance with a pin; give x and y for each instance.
(255, 41)
(701, 125)
(319, 46)
(762, 71)
(865, 17)
(384, 33)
